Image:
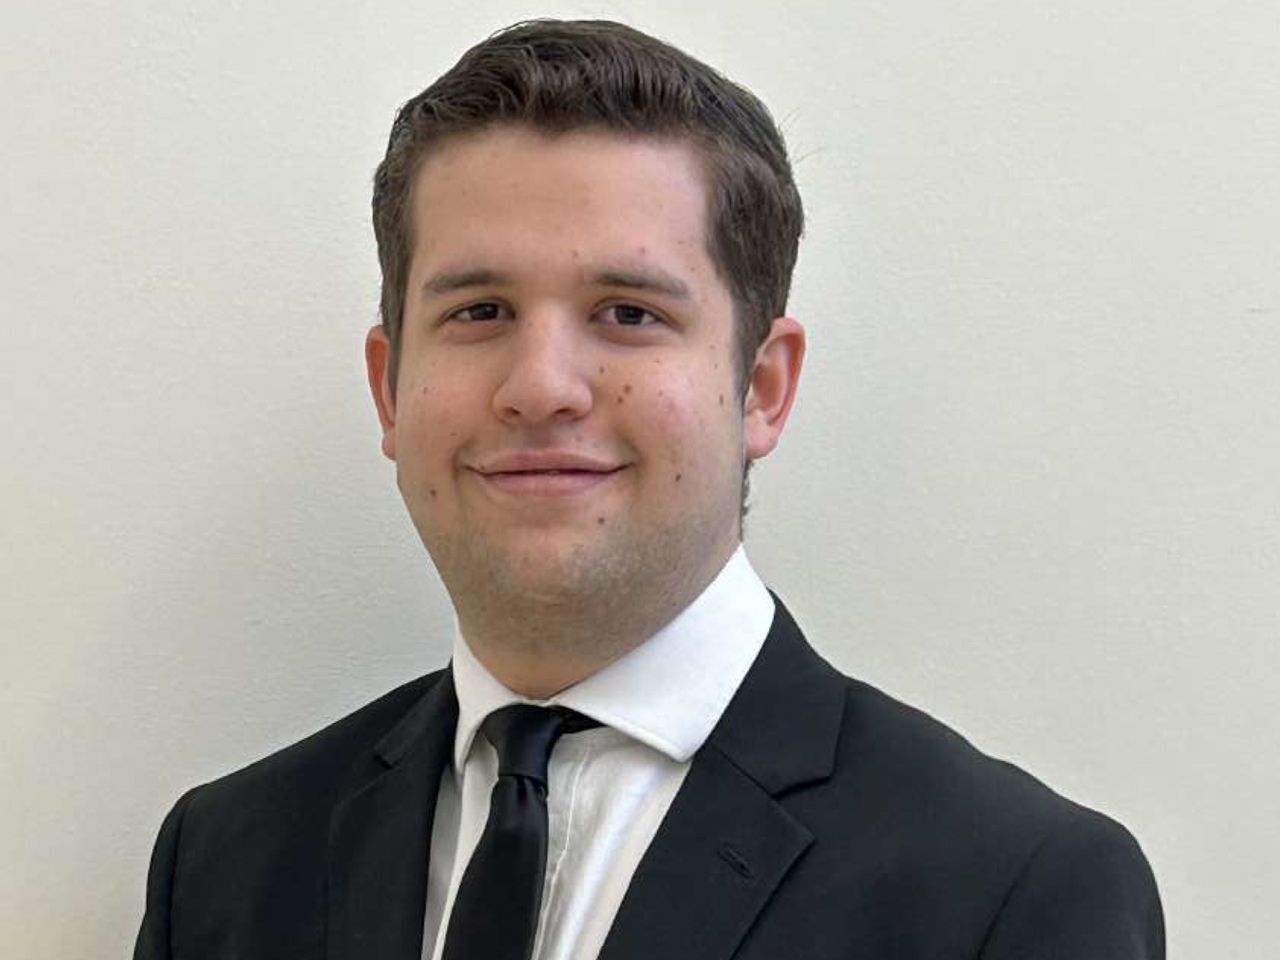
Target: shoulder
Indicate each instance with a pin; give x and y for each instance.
(320, 766)
(954, 828)
(897, 755)
(266, 827)
(925, 760)
(887, 774)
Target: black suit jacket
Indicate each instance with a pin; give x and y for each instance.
(822, 819)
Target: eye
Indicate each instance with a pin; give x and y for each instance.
(477, 312)
(630, 315)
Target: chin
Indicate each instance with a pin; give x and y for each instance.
(543, 567)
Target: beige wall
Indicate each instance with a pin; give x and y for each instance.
(1030, 484)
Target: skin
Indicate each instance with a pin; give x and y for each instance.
(555, 356)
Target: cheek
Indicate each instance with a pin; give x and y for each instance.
(431, 417)
(687, 427)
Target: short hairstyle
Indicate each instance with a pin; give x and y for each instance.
(559, 76)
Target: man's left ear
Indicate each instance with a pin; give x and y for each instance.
(772, 389)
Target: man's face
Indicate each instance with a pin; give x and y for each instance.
(565, 425)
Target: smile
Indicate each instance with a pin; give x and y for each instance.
(547, 483)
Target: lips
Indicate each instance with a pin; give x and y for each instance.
(552, 473)
(544, 461)
(544, 473)
(556, 482)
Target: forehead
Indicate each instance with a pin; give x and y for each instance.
(516, 192)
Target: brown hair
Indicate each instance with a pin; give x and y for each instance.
(558, 76)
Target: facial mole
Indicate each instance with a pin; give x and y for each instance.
(626, 388)
(678, 476)
(722, 399)
(433, 491)
(619, 398)
(600, 520)
(602, 369)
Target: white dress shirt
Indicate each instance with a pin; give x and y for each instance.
(608, 788)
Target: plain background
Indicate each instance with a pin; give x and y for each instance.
(1030, 484)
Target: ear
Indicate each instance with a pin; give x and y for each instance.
(772, 389)
(377, 359)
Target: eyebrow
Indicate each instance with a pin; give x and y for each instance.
(448, 281)
(645, 279)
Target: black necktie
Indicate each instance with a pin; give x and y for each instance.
(495, 911)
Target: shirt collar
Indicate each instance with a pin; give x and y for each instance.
(669, 692)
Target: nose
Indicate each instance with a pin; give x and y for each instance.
(547, 372)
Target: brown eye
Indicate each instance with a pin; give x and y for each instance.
(629, 315)
(476, 312)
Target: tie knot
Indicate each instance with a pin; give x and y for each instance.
(524, 735)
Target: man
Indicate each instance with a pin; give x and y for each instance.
(586, 240)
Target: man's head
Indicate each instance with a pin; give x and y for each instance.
(558, 76)
(559, 372)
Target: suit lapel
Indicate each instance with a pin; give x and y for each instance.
(380, 837)
(723, 849)
(727, 843)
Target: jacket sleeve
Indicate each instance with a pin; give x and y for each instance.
(154, 936)
(1086, 893)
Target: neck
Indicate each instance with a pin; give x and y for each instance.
(538, 650)
(538, 645)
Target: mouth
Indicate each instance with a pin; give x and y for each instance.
(547, 483)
